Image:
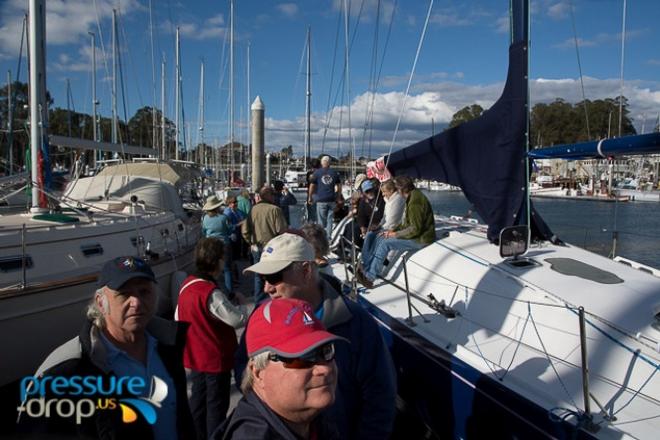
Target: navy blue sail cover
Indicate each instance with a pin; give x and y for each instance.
(602, 149)
(485, 156)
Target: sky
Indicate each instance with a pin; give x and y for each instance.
(462, 61)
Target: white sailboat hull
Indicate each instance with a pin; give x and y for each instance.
(517, 332)
(61, 278)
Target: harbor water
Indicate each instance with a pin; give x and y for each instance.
(587, 224)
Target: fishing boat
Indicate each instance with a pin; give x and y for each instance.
(501, 330)
(50, 256)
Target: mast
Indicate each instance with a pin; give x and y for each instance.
(38, 106)
(348, 89)
(114, 76)
(95, 102)
(249, 114)
(153, 79)
(163, 142)
(308, 102)
(68, 106)
(231, 91)
(201, 155)
(10, 124)
(176, 98)
(623, 45)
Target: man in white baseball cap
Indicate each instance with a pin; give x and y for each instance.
(366, 389)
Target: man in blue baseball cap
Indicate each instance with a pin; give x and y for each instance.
(122, 339)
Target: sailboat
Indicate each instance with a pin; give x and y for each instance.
(534, 338)
(50, 260)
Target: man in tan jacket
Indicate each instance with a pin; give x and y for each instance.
(265, 221)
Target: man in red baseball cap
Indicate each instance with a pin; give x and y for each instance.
(291, 375)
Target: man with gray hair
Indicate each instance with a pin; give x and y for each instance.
(121, 339)
(324, 188)
(290, 377)
(366, 390)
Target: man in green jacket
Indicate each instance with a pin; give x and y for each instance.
(264, 222)
(416, 231)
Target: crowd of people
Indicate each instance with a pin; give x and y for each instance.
(311, 363)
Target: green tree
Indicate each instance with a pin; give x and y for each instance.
(560, 122)
(465, 114)
(81, 124)
(20, 115)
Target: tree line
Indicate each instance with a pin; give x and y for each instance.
(558, 122)
(137, 131)
(561, 122)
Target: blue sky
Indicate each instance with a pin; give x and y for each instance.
(463, 60)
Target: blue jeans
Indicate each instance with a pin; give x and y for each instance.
(258, 282)
(311, 212)
(371, 241)
(324, 215)
(228, 263)
(384, 247)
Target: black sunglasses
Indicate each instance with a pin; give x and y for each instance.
(323, 354)
(273, 278)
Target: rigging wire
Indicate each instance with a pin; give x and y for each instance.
(340, 87)
(380, 71)
(372, 74)
(410, 78)
(328, 110)
(577, 53)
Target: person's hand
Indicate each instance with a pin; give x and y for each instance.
(388, 234)
(239, 298)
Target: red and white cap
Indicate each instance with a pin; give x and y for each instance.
(287, 327)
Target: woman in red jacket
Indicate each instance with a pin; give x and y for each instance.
(211, 338)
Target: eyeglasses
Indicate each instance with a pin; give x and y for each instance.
(273, 278)
(323, 354)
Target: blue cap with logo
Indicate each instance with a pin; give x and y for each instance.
(367, 185)
(115, 273)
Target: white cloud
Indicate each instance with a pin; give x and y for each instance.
(216, 20)
(437, 102)
(654, 61)
(367, 9)
(450, 18)
(81, 63)
(288, 9)
(601, 38)
(411, 20)
(502, 25)
(210, 28)
(66, 21)
(559, 10)
(569, 43)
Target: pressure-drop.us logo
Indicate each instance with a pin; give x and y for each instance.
(79, 397)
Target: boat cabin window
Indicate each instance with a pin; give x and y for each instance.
(14, 262)
(91, 250)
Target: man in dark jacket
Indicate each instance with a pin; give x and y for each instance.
(291, 376)
(120, 342)
(284, 198)
(365, 404)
